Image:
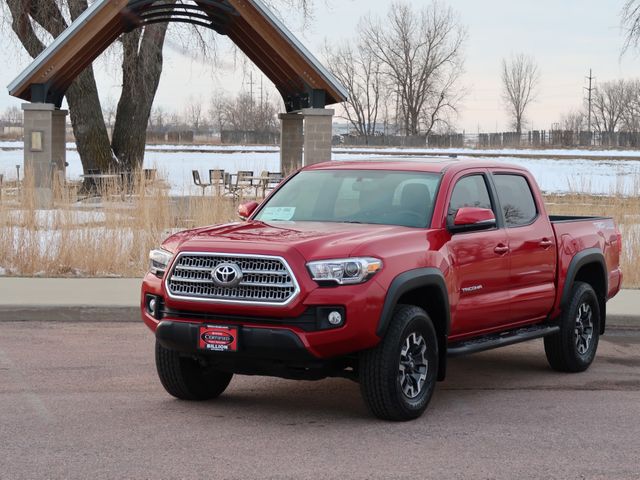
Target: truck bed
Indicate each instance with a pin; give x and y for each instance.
(580, 234)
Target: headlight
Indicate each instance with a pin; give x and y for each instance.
(159, 261)
(346, 271)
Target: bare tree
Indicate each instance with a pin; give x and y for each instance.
(217, 111)
(630, 121)
(360, 71)
(12, 116)
(157, 119)
(574, 121)
(422, 55)
(630, 22)
(109, 112)
(174, 120)
(520, 78)
(608, 105)
(193, 114)
(243, 113)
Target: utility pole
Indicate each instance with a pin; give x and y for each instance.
(589, 98)
(251, 83)
(261, 94)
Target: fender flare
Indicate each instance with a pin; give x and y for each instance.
(407, 281)
(410, 280)
(579, 260)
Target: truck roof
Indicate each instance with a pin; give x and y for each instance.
(413, 164)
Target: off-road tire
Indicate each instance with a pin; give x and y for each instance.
(562, 348)
(186, 378)
(379, 368)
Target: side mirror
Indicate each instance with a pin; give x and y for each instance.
(245, 210)
(470, 219)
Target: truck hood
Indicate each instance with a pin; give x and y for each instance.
(314, 240)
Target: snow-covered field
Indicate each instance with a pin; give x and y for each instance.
(557, 175)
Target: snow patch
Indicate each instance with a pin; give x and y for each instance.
(554, 175)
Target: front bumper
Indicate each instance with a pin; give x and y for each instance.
(302, 319)
(262, 351)
(258, 343)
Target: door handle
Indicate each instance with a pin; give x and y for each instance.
(501, 249)
(545, 243)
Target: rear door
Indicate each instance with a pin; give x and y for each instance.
(531, 247)
(480, 261)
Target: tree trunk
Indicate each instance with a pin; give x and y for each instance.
(141, 68)
(88, 124)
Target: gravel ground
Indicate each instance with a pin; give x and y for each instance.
(82, 400)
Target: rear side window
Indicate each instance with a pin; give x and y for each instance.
(516, 199)
(470, 191)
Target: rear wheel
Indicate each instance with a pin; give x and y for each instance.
(574, 347)
(188, 379)
(398, 376)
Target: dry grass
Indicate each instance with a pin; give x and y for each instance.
(112, 235)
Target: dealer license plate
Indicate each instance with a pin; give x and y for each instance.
(218, 338)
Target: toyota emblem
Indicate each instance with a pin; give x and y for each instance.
(227, 275)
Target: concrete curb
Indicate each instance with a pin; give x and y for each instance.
(116, 300)
(623, 322)
(69, 314)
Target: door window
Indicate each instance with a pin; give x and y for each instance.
(470, 191)
(516, 199)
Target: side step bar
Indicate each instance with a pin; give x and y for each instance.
(495, 340)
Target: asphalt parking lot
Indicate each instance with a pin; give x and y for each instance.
(82, 400)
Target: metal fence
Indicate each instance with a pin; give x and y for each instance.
(531, 139)
(240, 137)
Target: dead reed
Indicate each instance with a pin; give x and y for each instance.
(111, 234)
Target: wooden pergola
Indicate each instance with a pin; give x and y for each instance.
(300, 78)
(306, 86)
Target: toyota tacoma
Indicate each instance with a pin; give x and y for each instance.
(378, 272)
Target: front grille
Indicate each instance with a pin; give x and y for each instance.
(265, 280)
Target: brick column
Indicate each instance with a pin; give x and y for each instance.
(318, 133)
(291, 142)
(44, 149)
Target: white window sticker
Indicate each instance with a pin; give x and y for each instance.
(278, 214)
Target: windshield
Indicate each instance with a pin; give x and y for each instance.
(354, 196)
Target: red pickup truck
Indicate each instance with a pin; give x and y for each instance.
(379, 271)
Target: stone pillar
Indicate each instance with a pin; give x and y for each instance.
(44, 149)
(291, 142)
(318, 134)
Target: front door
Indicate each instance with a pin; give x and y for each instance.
(480, 261)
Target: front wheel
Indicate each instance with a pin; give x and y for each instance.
(186, 378)
(398, 376)
(574, 347)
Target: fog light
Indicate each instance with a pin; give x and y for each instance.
(152, 306)
(335, 318)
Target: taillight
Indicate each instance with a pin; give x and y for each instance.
(619, 238)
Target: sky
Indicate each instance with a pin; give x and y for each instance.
(566, 38)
